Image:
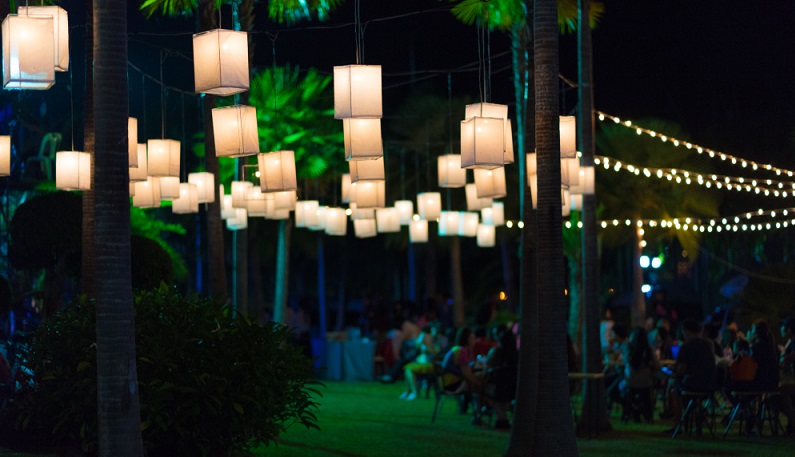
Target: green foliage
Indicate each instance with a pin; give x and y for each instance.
(143, 223)
(150, 263)
(292, 11)
(505, 14)
(210, 384)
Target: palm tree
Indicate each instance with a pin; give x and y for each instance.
(88, 259)
(117, 383)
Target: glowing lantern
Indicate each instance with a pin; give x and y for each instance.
(364, 228)
(532, 181)
(357, 91)
(239, 222)
(132, 189)
(60, 31)
(227, 210)
(28, 52)
(362, 139)
(72, 170)
(147, 194)
(346, 188)
(132, 141)
(235, 131)
(284, 200)
(570, 172)
(486, 236)
(277, 171)
(141, 172)
(163, 158)
(487, 216)
(387, 220)
(429, 205)
(367, 170)
(306, 213)
(5, 155)
(475, 203)
(588, 180)
(405, 210)
(358, 213)
(220, 62)
(239, 193)
(256, 202)
(490, 183)
(495, 111)
(371, 194)
(564, 199)
(448, 223)
(498, 214)
(205, 186)
(468, 224)
(483, 142)
(169, 188)
(272, 212)
(531, 164)
(575, 202)
(568, 137)
(418, 231)
(508, 154)
(319, 222)
(450, 172)
(336, 222)
(188, 201)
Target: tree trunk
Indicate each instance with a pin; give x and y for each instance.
(575, 300)
(88, 262)
(457, 278)
(282, 285)
(119, 421)
(638, 298)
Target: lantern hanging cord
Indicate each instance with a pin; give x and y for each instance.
(72, 104)
(162, 97)
(182, 159)
(450, 109)
(358, 31)
(143, 101)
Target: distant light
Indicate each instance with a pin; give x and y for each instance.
(509, 224)
(520, 224)
(503, 296)
(645, 261)
(645, 288)
(656, 262)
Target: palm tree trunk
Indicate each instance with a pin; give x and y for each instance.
(594, 409)
(119, 420)
(459, 308)
(575, 300)
(281, 288)
(88, 260)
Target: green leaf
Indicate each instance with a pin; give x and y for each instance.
(238, 407)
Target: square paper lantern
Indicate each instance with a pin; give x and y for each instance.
(163, 158)
(256, 202)
(405, 210)
(359, 213)
(564, 200)
(147, 194)
(468, 224)
(448, 223)
(475, 203)
(205, 186)
(284, 200)
(362, 139)
(277, 171)
(132, 189)
(490, 183)
(306, 213)
(387, 220)
(220, 62)
(451, 175)
(319, 222)
(429, 205)
(367, 170)
(418, 231)
(28, 52)
(498, 214)
(240, 192)
(60, 31)
(5, 155)
(188, 201)
(273, 213)
(568, 137)
(132, 141)
(487, 216)
(570, 172)
(532, 181)
(346, 188)
(235, 131)
(336, 222)
(483, 142)
(486, 110)
(507, 156)
(357, 92)
(227, 210)
(239, 222)
(486, 236)
(575, 202)
(371, 194)
(531, 164)
(364, 228)
(588, 180)
(169, 188)
(72, 170)
(141, 172)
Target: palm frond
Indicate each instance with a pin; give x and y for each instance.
(293, 11)
(567, 15)
(168, 7)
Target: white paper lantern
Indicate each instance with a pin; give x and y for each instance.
(387, 220)
(451, 175)
(531, 164)
(362, 139)
(305, 211)
(132, 189)
(163, 158)
(487, 216)
(72, 170)
(132, 141)
(188, 201)
(532, 181)
(147, 193)
(169, 188)
(448, 223)
(284, 200)
(568, 137)
(564, 199)
(277, 171)
(468, 224)
(256, 202)
(475, 203)
(418, 231)
(28, 52)
(5, 155)
(575, 202)
(141, 172)
(364, 228)
(588, 180)
(336, 222)
(60, 31)
(227, 210)
(483, 143)
(357, 91)
(367, 170)
(272, 212)
(346, 188)
(371, 194)
(507, 156)
(497, 111)
(239, 222)
(240, 192)
(429, 205)
(205, 186)
(486, 236)
(498, 214)
(319, 222)
(359, 213)
(405, 210)
(570, 172)
(220, 62)
(490, 183)
(235, 131)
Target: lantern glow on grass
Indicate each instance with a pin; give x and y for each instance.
(220, 62)
(28, 52)
(72, 170)
(235, 131)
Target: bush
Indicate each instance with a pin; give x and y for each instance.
(209, 384)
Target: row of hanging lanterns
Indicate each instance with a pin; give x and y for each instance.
(35, 46)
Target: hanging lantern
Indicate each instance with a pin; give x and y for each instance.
(147, 194)
(346, 188)
(448, 223)
(564, 199)
(468, 224)
(364, 228)
(336, 222)
(451, 175)
(483, 142)
(28, 52)
(405, 210)
(272, 212)
(132, 141)
(60, 31)
(357, 92)
(588, 180)
(188, 201)
(227, 210)
(141, 172)
(367, 170)
(256, 202)
(387, 220)
(163, 158)
(359, 213)
(575, 202)
(487, 216)
(362, 139)
(239, 193)
(371, 194)
(568, 137)
(490, 183)
(570, 172)
(72, 170)
(305, 212)
(284, 200)
(475, 203)
(494, 110)
(235, 131)
(487, 237)
(498, 214)
(220, 62)
(507, 156)
(239, 222)
(418, 231)
(205, 186)
(277, 171)
(5, 155)
(169, 188)
(319, 223)
(531, 164)
(532, 181)
(132, 189)
(429, 205)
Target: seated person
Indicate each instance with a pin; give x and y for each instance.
(787, 367)
(742, 370)
(695, 368)
(422, 365)
(765, 354)
(458, 375)
(503, 365)
(639, 374)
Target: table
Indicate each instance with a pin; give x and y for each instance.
(350, 360)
